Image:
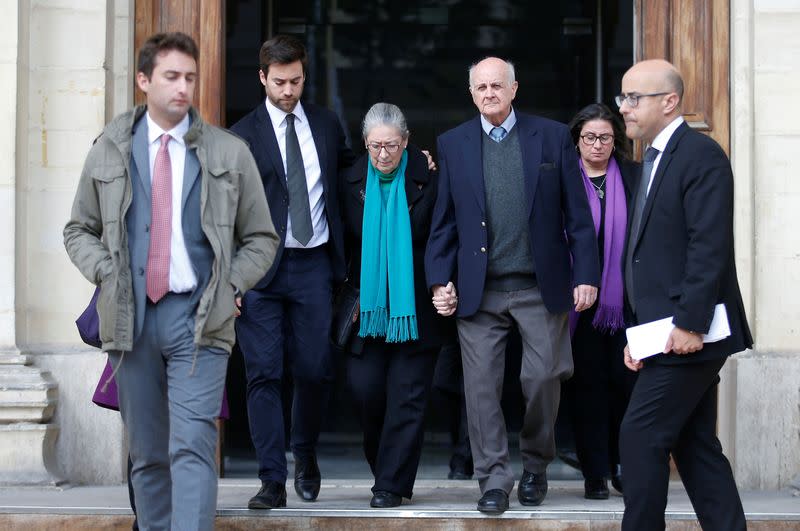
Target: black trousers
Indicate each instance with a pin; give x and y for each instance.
(390, 387)
(673, 409)
(448, 379)
(285, 328)
(599, 390)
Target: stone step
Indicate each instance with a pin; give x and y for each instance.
(27, 394)
(14, 359)
(25, 373)
(356, 522)
(343, 505)
(24, 413)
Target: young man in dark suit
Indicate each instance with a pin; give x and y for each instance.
(299, 149)
(679, 263)
(512, 228)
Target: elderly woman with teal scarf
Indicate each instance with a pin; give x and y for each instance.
(387, 202)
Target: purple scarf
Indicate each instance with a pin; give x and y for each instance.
(608, 317)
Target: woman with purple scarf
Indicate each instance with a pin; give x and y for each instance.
(601, 386)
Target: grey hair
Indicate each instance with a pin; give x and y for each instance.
(385, 114)
(511, 73)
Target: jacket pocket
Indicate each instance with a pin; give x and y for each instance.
(219, 323)
(107, 307)
(223, 195)
(110, 185)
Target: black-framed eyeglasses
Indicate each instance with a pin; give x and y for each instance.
(632, 99)
(590, 138)
(375, 148)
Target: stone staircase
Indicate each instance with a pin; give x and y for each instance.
(27, 439)
(343, 505)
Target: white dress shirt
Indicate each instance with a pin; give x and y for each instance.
(181, 273)
(660, 143)
(313, 172)
(507, 124)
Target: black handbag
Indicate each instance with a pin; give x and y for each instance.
(345, 315)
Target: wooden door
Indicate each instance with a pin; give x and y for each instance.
(694, 35)
(204, 20)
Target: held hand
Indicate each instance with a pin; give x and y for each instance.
(682, 341)
(631, 363)
(237, 310)
(584, 296)
(431, 164)
(445, 299)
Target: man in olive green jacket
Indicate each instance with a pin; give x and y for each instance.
(171, 221)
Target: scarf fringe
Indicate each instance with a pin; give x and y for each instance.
(402, 328)
(373, 323)
(396, 329)
(608, 318)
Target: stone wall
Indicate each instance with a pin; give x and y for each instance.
(73, 64)
(765, 126)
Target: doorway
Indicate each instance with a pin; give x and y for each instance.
(415, 54)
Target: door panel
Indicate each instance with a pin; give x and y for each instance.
(695, 37)
(208, 31)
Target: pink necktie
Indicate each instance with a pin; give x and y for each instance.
(160, 224)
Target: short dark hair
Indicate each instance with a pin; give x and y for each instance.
(164, 42)
(282, 49)
(598, 111)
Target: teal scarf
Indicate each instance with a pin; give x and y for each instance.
(387, 263)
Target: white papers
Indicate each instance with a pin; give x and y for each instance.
(650, 339)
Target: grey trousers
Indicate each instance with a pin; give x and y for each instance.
(170, 416)
(546, 362)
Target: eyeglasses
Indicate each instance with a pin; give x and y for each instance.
(632, 99)
(376, 148)
(590, 138)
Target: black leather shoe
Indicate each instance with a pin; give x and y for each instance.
(595, 489)
(532, 488)
(493, 501)
(460, 468)
(306, 478)
(271, 495)
(383, 499)
(616, 482)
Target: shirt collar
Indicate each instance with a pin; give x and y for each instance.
(278, 116)
(662, 138)
(507, 124)
(177, 133)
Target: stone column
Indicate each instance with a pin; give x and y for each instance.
(27, 394)
(71, 63)
(765, 124)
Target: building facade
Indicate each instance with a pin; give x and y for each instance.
(67, 68)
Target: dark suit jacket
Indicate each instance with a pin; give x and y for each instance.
(334, 155)
(683, 261)
(630, 171)
(558, 215)
(420, 187)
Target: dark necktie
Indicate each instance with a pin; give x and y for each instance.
(636, 221)
(157, 279)
(299, 209)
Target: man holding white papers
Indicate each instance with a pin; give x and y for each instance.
(679, 263)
